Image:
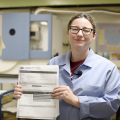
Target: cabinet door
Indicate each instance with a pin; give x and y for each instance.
(15, 34)
(41, 35)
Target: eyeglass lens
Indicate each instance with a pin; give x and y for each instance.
(75, 29)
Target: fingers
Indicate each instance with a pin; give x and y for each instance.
(17, 96)
(61, 89)
(17, 86)
(58, 95)
(17, 91)
(61, 86)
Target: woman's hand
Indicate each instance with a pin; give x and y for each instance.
(17, 91)
(65, 93)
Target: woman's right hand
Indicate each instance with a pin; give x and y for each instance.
(17, 91)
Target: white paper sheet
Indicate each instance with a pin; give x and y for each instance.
(38, 83)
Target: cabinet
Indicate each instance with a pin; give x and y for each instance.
(17, 35)
(43, 40)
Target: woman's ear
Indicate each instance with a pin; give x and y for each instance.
(67, 32)
(94, 36)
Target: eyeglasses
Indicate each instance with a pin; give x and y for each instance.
(85, 31)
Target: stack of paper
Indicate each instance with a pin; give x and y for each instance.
(37, 84)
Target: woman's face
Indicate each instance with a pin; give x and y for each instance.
(79, 40)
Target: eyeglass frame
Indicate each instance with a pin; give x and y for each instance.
(81, 30)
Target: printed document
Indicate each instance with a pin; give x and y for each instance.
(37, 84)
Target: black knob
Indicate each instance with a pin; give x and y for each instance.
(12, 31)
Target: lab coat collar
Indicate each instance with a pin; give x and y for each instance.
(67, 62)
(89, 61)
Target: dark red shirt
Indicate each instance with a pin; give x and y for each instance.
(75, 65)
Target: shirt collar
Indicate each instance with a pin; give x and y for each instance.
(89, 61)
(67, 62)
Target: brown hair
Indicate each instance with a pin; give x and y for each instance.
(85, 15)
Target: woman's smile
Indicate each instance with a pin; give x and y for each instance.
(79, 40)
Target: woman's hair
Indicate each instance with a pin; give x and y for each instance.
(85, 15)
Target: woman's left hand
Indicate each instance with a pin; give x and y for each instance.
(65, 93)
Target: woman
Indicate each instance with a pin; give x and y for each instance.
(89, 84)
